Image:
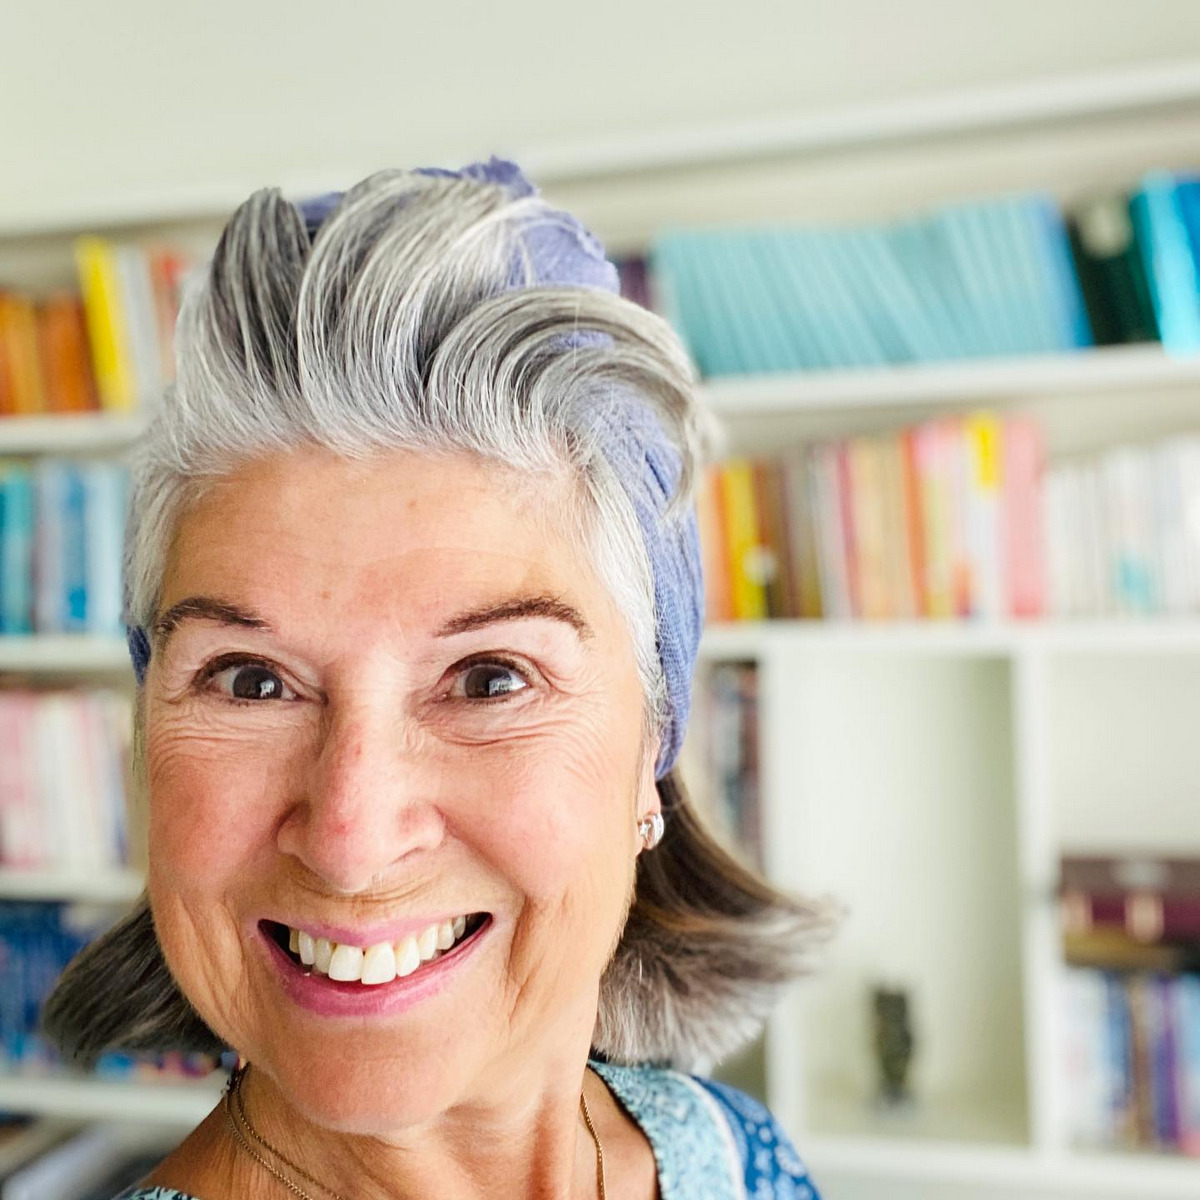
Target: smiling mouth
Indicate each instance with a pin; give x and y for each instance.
(381, 963)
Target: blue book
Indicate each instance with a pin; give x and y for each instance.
(75, 554)
(1040, 316)
(16, 549)
(1188, 1060)
(788, 250)
(905, 323)
(962, 240)
(1119, 1047)
(1171, 272)
(1066, 296)
(915, 251)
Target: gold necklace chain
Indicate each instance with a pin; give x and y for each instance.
(233, 1093)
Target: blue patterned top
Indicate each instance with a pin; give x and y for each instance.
(710, 1141)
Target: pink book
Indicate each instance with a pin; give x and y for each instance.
(1022, 517)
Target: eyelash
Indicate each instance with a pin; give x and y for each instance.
(224, 661)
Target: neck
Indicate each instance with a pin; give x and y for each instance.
(526, 1139)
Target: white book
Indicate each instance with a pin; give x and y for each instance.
(1086, 1075)
(141, 320)
(103, 522)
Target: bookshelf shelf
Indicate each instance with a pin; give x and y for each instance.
(1101, 369)
(59, 654)
(752, 639)
(89, 432)
(998, 1171)
(178, 1104)
(103, 887)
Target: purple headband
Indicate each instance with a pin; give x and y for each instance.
(562, 252)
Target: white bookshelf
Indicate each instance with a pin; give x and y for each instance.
(183, 1105)
(929, 773)
(72, 433)
(117, 886)
(64, 654)
(913, 386)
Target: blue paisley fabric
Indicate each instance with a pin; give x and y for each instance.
(710, 1141)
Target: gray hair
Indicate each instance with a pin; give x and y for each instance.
(397, 326)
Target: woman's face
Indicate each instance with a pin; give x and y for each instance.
(341, 738)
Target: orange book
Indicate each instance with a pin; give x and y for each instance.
(777, 577)
(912, 519)
(931, 452)
(63, 349)
(20, 351)
(744, 545)
(901, 587)
(6, 386)
(714, 560)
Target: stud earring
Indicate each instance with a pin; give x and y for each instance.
(651, 830)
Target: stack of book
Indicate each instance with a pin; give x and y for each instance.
(64, 762)
(108, 346)
(1132, 1002)
(61, 531)
(36, 942)
(1123, 532)
(720, 763)
(939, 520)
(1005, 275)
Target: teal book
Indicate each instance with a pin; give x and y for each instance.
(747, 305)
(1170, 266)
(913, 251)
(16, 549)
(962, 235)
(1027, 306)
(76, 600)
(680, 297)
(788, 246)
(788, 327)
(1063, 284)
(1044, 312)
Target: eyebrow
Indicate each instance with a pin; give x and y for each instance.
(515, 608)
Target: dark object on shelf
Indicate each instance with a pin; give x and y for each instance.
(893, 1043)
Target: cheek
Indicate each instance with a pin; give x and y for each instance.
(556, 818)
(211, 801)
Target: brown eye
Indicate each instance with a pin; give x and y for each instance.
(251, 681)
(486, 681)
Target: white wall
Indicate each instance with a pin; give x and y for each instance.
(128, 97)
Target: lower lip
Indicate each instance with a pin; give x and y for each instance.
(333, 998)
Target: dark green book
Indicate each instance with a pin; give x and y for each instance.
(1111, 271)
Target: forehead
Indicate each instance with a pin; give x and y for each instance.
(366, 530)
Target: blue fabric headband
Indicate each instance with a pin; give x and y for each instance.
(562, 251)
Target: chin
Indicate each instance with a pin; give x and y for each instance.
(371, 1097)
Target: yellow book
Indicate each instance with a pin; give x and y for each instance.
(18, 330)
(748, 592)
(106, 324)
(985, 454)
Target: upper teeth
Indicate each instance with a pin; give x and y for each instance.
(380, 963)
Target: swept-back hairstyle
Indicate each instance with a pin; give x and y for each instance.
(396, 323)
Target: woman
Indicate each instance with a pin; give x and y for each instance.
(414, 602)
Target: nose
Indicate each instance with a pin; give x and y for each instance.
(367, 809)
